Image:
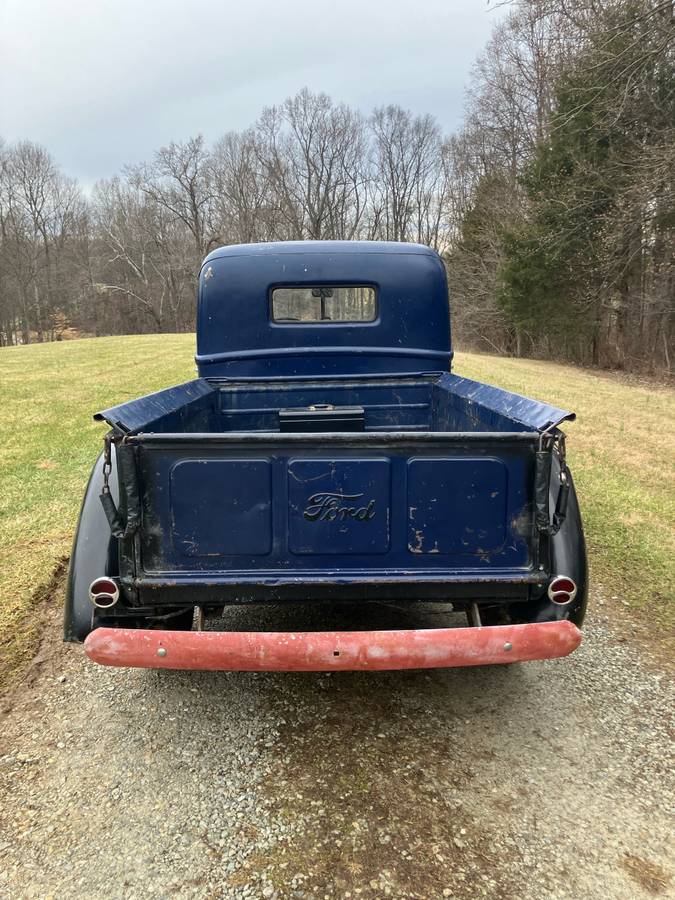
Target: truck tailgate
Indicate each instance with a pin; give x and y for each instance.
(271, 508)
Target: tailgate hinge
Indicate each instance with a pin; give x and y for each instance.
(550, 443)
(122, 524)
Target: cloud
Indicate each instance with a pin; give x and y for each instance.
(104, 83)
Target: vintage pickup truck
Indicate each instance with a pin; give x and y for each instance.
(325, 454)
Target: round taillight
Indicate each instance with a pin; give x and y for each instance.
(103, 592)
(103, 586)
(562, 590)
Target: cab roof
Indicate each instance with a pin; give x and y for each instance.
(321, 247)
(237, 337)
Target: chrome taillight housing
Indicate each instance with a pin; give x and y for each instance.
(103, 592)
(562, 590)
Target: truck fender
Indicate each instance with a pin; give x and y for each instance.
(94, 553)
(568, 553)
(567, 556)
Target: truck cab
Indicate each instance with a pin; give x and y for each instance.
(327, 452)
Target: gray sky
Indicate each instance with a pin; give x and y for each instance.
(102, 83)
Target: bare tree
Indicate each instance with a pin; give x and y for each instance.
(557, 84)
(39, 208)
(406, 171)
(244, 206)
(142, 256)
(314, 156)
(179, 181)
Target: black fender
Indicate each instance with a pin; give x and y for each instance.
(568, 557)
(94, 553)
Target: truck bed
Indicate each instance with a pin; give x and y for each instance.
(427, 403)
(436, 491)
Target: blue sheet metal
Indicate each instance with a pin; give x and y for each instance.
(497, 409)
(236, 336)
(442, 403)
(276, 507)
(169, 407)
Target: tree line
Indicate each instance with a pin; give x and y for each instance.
(553, 206)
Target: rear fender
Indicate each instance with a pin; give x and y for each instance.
(95, 553)
(568, 557)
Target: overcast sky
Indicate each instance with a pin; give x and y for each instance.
(102, 83)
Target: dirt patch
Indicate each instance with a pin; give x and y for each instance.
(40, 638)
(650, 876)
(396, 837)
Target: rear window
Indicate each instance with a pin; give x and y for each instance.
(324, 303)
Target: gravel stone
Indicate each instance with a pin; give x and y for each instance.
(534, 781)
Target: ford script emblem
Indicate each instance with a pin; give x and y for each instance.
(327, 507)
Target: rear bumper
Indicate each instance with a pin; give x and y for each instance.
(329, 651)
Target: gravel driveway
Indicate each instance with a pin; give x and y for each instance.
(530, 781)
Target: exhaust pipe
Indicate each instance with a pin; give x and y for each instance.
(104, 593)
(562, 590)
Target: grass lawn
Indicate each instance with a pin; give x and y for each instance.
(620, 452)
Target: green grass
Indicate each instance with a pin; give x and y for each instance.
(48, 443)
(620, 451)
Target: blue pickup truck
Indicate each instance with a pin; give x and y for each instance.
(327, 453)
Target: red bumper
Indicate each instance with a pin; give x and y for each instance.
(328, 651)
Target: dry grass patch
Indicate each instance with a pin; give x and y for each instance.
(650, 876)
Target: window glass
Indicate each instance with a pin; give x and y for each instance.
(339, 303)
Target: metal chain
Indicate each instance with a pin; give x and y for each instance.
(550, 441)
(560, 512)
(562, 446)
(107, 462)
(562, 456)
